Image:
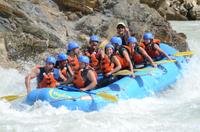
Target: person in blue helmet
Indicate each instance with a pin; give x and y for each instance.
(64, 68)
(73, 53)
(123, 32)
(137, 54)
(122, 54)
(152, 47)
(92, 51)
(85, 78)
(47, 76)
(109, 64)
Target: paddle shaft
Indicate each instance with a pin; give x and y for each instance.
(185, 53)
(76, 89)
(12, 97)
(105, 96)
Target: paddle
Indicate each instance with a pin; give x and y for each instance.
(145, 69)
(122, 73)
(101, 94)
(12, 97)
(183, 53)
(103, 44)
(176, 54)
(128, 72)
(164, 61)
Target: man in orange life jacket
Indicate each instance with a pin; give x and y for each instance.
(137, 54)
(151, 46)
(64, 68)
(122, 54)
(93, 52)
(73, 52)
(85, 78)
(123, 32)
(47, 76)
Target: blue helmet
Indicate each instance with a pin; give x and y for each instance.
(62, 57)
(116, 40)
(94, 38)
(72, 45)
(109, 46)
(148, 35)
(51, 59)
(132, 40)
(84, 59)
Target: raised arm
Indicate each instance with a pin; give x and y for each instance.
(29, 77)
(126, 56)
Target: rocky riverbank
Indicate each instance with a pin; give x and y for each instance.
(176, 9)
(36, 28)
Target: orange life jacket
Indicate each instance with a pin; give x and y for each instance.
(64, 71)
(151, 51)
(135, 56)
(142, 45)
(121, 58)
(106, 65)
(122, 61)
(73, 62)
(94, 62)
(80, 78)
(47, 80)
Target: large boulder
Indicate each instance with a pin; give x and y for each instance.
(33, 27)
(3, 54)
(147, 20)
(86, 6)
(194, 13)
(176, 9)
(36, 28)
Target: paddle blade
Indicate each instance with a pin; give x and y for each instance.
(183, 53)
(12, 97)
(164, 61)
(108, 96)
(122, 73)
(103, 44)
(145, 69)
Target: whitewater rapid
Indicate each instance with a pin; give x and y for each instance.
(174, 110)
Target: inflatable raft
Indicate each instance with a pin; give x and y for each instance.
(146, 83)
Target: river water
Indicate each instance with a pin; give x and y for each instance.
(174, 110)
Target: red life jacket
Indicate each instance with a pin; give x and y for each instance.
(135, 56)
(106, 65)
(47, 80)
(151, 51)
(73, 62)
(80, 78)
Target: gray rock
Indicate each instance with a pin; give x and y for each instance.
(176, 9)
(146, 20)
(195, 13)
(37, 28)
(43, 24)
